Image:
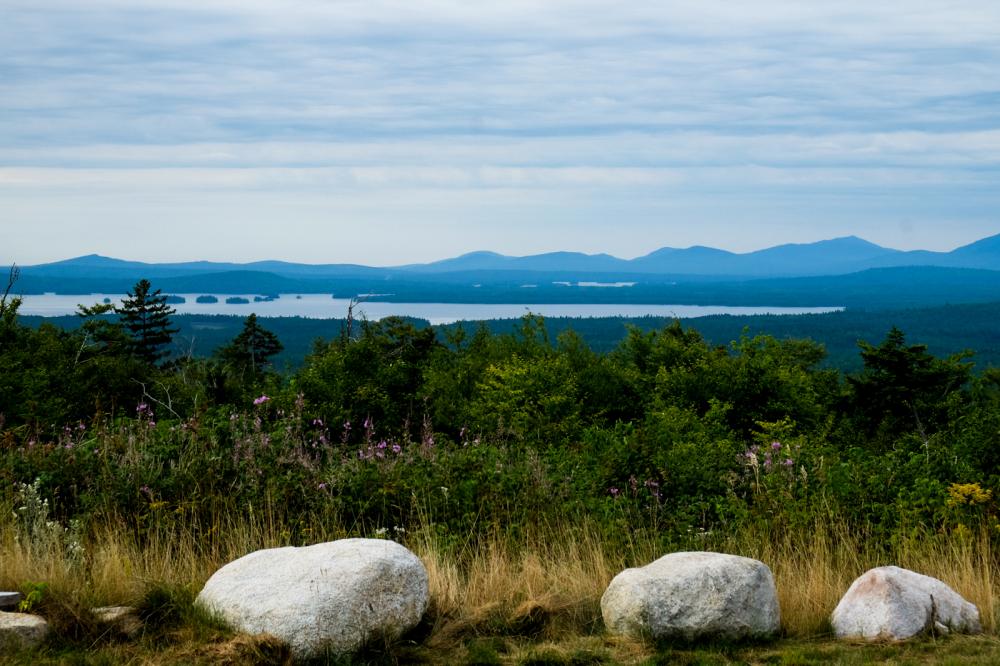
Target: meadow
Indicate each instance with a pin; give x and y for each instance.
(525, 472)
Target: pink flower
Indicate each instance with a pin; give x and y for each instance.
(261, 400)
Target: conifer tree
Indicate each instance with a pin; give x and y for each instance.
(146, 316)
(252, 348)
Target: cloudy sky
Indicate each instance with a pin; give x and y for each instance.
(385, 132)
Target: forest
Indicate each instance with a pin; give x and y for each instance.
(945, 329)
(460, 437)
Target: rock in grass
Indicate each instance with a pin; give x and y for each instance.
(692, 596)
(9, 601)
(21, 631)
(332, 598)
(890, 603)
(121, 619)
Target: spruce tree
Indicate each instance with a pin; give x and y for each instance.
(252, 348)
(146, 317)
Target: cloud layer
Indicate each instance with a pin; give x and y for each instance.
(425, 125)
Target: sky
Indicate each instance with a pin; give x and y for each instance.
(385, 132)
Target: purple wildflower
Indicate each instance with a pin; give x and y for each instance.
(261, 400)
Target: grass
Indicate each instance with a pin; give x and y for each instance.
(496, 599)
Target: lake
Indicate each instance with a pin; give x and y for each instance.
(322, 306)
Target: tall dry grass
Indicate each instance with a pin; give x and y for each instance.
(547, 584)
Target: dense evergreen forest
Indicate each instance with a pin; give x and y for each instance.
(945, 330)
(515, 426)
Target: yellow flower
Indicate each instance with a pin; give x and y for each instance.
(971, 494)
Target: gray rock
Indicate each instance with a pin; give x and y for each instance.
(9, 601)
(21, 631)
(691, 596)
(331, 598)
(890, 603)
(123, 619)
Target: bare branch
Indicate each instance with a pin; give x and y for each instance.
(166, 405)
(355, 301)
(15, 273)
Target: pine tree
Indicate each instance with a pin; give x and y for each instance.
(252, 348)
(146, 317)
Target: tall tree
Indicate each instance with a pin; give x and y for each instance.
(253, 348)
(146, 316)
(903, 388)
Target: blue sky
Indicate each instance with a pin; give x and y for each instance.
(390, 132)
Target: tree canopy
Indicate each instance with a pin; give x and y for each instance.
(146, 316)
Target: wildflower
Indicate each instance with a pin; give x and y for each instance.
(397, 449)
(382, 531)
(788, 462)
(614, 492)
(321, 486)
(261, 400)
(775, 446)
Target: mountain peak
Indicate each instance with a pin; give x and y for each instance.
(90, 260)
(989, 244)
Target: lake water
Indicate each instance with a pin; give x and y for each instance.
(322, 306)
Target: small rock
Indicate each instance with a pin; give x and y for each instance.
(692, 596)
(123, 619)
(9, 601)
(329, 598)
(890, 603)
(21, 631)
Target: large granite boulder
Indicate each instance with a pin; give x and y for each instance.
(327, 599)
(693, 596)
(21, 631)
(890, 603)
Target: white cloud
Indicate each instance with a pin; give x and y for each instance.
(701, 107)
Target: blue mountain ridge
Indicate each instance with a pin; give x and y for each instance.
(836, 256)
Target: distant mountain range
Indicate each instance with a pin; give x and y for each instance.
(837, 256)
(842, 271)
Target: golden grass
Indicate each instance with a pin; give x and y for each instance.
(543, 587)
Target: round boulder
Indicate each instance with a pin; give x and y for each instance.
(21, 631)
(890, 603)
(327, 599)
(693, 596)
